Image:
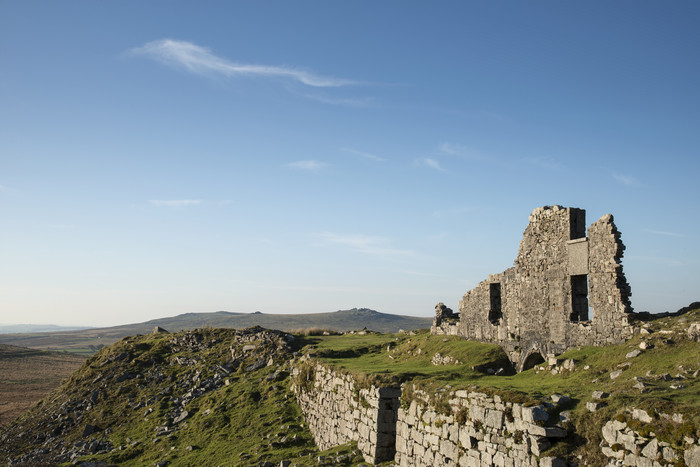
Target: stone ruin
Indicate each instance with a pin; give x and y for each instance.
(565, 289)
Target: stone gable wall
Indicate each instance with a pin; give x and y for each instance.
(338, 411)
(537, 315)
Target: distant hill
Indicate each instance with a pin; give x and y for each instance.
(23, 328)
(88, 341)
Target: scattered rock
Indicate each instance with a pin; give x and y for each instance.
(593, 406)
(181, 417)
(598, 395)
(560, 400)
(642, 416)
(634, 353)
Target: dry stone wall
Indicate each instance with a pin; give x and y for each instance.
(462, 427)
(479, 430)
(623, 444)
(564, 290)
(338, 411)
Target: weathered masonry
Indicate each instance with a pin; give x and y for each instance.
(565, 289)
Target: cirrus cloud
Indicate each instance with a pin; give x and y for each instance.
(367, 244)
(309, 165)
(200, 60)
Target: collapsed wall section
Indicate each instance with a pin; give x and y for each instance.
(338, 411)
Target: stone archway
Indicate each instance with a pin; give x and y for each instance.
(534, 358)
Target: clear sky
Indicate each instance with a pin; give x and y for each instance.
(164, 157)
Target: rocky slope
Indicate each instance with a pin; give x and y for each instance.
(202, 396)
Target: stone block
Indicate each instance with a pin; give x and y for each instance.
(547, 431)
(534, 414)
(538, 444)
(494, 419)
(553, 462)
(560, 400)
(449, 450)
(642, 416)
(669, 454)
(692, 456)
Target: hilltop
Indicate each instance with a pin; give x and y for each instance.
(88, 341)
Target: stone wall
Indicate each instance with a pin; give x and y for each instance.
(624, 445)
(478, 430)
(466, 428)
(564, 290)
(338, 411)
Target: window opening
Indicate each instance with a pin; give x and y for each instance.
(577, 223)
(495, 313)
(579, 297)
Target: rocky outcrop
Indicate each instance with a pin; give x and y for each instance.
(155, 377)
(630, 439)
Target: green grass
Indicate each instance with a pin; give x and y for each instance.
(252, 419)
(367, 357)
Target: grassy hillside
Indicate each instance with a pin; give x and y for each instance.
(221, 396)
(204, 397)
(664, 378)
(27, 375)
(88, 341)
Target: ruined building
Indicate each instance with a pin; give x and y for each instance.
(565, 289)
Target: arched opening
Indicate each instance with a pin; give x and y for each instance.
(535, 358)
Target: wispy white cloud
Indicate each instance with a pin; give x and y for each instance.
(366, 155)
(661, 232)
(201, 60)
(458, 150)
(432, 163)
(451, 149)
(545, 162)
(174, 203)
(309, 165)
(370, 245)
(624, 179)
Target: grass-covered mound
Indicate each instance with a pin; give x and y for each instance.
(205, 397)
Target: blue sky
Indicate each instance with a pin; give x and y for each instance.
(158, 158)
